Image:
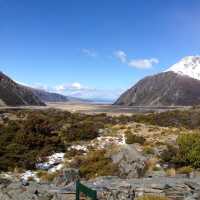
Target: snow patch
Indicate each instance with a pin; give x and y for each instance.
(189, 66)
(78, 148)
(56, 168)
(29, 174)
(52, 161)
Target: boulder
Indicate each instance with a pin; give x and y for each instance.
(132, 164)
(16, 191)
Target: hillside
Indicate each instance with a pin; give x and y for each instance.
(49, 96)
(164, 89)
(13, 94)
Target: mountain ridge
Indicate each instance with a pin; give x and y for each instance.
(13, 94)
(177, 86)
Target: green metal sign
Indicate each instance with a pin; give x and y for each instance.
(80, 188)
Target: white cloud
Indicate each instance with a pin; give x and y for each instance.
(89, 52)
(121, 55)
(143, 63)
(137, 63)
(76, 86)
(76, 89)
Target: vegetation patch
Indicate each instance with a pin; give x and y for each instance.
(31, 135)
(46, 176)
(148, 150)
(186, 152)
(189, 149)
(184, 170)
(94, 164)
(132, 138)
(189, 119)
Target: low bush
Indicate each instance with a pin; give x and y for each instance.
(95, 163)
(189, 149)
(169, 154)
(132, 138)
(84, 130)
(185, 170)
(189, 119)
(186, 152)
(148, 150)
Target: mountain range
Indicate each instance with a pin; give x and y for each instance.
(15, 94)
(179, 85)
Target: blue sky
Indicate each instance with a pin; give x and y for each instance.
(94, 48)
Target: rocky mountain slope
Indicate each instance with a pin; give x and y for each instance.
(49, 96)
(13, 94)
(179, 85)
(46, 96)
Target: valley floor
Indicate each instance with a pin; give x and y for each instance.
(90, 108)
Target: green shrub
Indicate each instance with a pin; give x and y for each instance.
(176, 118)
(132, 138)
(185, 170)
(148, 150)
(189, 149)
(84, 130)
(169, 154)
(94, 164)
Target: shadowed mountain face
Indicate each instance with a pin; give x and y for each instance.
(13, 94)
(164, 89)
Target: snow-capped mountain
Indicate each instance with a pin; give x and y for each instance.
(177, 86)
(189, 66)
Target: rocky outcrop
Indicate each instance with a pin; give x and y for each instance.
(17, 191)
(108, 188)
(119, 189)
(131, 163)
(164, 89)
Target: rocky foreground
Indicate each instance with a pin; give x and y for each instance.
(108, 188)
